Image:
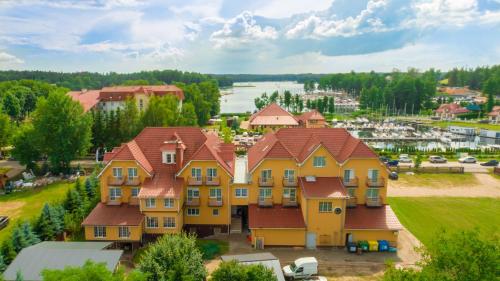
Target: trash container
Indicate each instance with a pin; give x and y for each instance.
(373, 246)
(351, 247)
(383, 245)
(393, 249)
(363, 244)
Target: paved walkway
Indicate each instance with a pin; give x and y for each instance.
(15, 167)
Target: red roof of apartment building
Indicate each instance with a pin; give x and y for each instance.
(118, 93)
(273, 115)
(88, 99)
(363, 217)
(322, 187)
(451, 108)
(124, 214)
(495, 111)
(146, 150)
(300, 143)
(275, 217)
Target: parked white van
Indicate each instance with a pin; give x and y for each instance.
(301, 268)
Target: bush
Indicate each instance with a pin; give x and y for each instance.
(232, 270)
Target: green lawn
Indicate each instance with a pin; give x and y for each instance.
(437, 180)
(26, 205)
(445, 124)
(423, 216)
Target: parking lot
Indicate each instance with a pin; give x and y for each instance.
(468, 167)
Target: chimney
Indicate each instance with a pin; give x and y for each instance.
(179, 154)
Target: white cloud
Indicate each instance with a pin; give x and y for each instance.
(317, 27)
(444, 13)
(75, 4)
(242, 29)
(288, 8)
(7, 60)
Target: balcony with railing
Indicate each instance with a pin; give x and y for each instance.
(133, 181)
(116, 181)
(215, 202)
(113, 200)
(265, 201)
(192, 201)
(352, 202)
(374, 201)
(290, 181)
(195, 180)
(266, 181)
(289, 202)
(212, 180)
(375, 182)
(350, 182)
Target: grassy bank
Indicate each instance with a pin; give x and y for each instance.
(437, 180)
(445, 124)
(425, 215)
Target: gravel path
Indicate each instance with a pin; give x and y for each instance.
(487, 186)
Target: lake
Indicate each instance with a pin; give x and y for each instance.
(242, 95)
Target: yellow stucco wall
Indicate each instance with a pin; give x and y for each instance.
(389, 235)
(360, 168)
(278, 167)
(327, 226)
(206, 212)
(112, 234)
(280, 237)
(240, 201)
(161, 229)
(331, 169)
(108, 172)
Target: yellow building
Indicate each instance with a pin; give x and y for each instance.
(296, 187)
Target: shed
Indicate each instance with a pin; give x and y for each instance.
(31, 261)
(266, 259)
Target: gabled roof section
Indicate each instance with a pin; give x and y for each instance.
(269, 146)
(273, 114)
(131, 151)
(310, 115)
(88, 99)
(214, 149)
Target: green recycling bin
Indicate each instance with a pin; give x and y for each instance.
(363, 244)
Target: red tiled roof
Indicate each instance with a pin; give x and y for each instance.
(273, 114)
(299, 143)
(322, 187)
(275, 217)
(310, 115)
(363, 217)
(124, 214)
(495, 111)
(88, 99)
(452, 108)
(161, 185)
(123, 92)
(131, 151)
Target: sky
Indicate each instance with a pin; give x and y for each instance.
(252, 36)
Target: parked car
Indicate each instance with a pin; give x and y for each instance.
(384, 159)
(301, 268)
(392, 163)
(393, 176)
(4, 221)
(404, 158)
(437, 159)
(468, 159)
(491, 163)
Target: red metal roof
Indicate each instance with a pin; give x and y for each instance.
(273, 115)
(88, 99)
(124, 214)
(363, 217)
(322, 187)
(299, 143)
(275, 217)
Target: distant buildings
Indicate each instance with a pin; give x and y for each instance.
(112, 98)
(459, 93)
(494, 115)
(273, 117)
(450, 111)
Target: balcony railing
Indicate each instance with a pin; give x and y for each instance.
(133, 181)
(266, 181)
(115, 180)
(215, 202)
(192, 201)
(352, 202)
(351, 182)
(265, 201)
(115, 200)
(290, 181)
(289, 202)
(212, 180)
(195, 180)
(377, 182)
(133, 201)
(373, 201)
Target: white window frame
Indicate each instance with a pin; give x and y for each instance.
(316, 164)
(99, 231)
(371, 191)
(150, 202)
(168, 203)
(193, 212)
(212, 172)
(123, 232)
(193, 192)
(215, 193)
(266, 174)
(133, 174)
(241, 191)
(168, 157)
(215, 212)
(169, 222)
(289, 174)
(325, 207)
(287, 193)
(265, 192)
(351, 191)
(132, 191)
(114, 193)
(117, 172)
(372, 172)
(151, 222)
(351, 175)
(194, 173)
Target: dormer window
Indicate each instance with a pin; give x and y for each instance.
(168, 157)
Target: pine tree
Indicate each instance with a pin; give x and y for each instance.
(29, 235)
(73, 202)
(18, 240)
(8, 252)
(45, 227)
(331, 105)
(57, 218)
(89, 189)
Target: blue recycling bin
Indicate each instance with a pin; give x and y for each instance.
(383, 245)
(351, 247)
